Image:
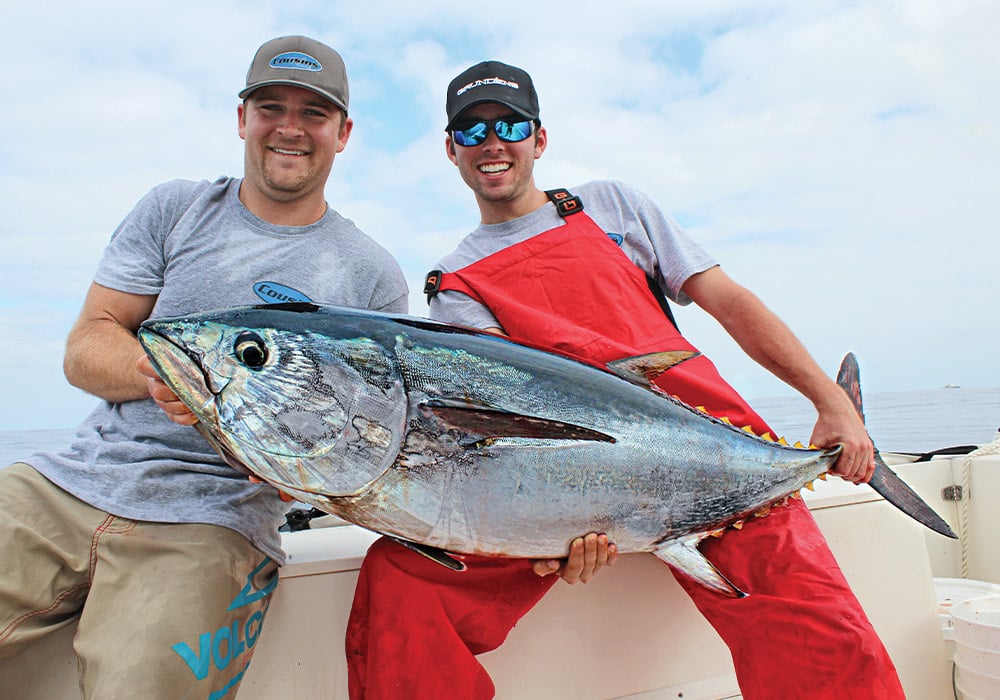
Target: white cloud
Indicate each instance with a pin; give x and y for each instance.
(838, 158)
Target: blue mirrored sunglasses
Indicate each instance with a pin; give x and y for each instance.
(474, 133)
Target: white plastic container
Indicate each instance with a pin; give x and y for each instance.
(952, 591)
(979, 661)
(976, 624)
(976, 627)
(976, 686)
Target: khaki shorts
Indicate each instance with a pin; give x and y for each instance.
(165, 611)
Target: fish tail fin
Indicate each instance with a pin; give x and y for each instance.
(893, 489)
(885, 481)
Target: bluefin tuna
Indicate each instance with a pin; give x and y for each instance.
(455, 440)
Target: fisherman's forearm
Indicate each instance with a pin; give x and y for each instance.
(101, 360)
(766, 339)
(761, 334)
(769, 342)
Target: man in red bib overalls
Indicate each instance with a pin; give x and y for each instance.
(574, 272)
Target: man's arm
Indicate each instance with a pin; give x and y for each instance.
(767, 340)
(102, 349)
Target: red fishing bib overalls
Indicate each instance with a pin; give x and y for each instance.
(799, 634)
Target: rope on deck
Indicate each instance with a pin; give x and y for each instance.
(990, 448)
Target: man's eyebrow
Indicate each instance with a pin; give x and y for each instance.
(322, 102)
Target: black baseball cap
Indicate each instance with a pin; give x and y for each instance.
(492, 81)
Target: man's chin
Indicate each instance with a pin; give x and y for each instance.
(288, 187)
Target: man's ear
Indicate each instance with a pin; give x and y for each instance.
(449, 146)
(241, 119)
(346, 126)
(541, 141)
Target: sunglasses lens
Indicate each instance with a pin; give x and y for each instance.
(513, 132)
(472, 135)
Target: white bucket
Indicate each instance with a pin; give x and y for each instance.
(976, 686)
(952, 591)
(976, 626)
(978, 660)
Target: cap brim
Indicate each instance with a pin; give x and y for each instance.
(517, 110)
(245, 92)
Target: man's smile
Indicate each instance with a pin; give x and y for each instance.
(287, 151)
(494, 168)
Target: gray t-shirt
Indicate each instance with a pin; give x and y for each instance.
(195, 246)
(645, 234)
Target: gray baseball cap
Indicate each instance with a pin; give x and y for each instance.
(302, 62)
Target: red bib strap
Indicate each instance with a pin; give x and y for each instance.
(571, 290)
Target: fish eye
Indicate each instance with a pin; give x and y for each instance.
(250, 349)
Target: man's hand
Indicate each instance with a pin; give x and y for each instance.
(843, 426)
(163, 396)
(587, 555)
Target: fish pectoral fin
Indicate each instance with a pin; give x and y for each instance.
(482, 423)
(643, 369)
(684, 556)
(436, 555)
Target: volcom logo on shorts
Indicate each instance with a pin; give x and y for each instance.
(234, 641)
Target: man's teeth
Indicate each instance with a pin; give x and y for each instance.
(494, 167)
(286, 152)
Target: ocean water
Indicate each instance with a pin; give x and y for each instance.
(903, 421)
(907, 421)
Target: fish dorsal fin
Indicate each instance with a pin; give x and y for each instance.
(643, 369)
(683, 555)
(482, 423)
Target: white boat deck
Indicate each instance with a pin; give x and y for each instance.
(630, 633)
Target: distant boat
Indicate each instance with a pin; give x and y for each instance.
(951, 386)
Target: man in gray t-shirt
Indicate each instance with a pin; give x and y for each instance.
(167, 555)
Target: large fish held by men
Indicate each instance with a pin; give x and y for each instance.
(461, 441)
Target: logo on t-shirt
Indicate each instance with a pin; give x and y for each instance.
(617, 238)
(274, 293)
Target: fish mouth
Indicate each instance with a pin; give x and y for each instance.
(180, 369)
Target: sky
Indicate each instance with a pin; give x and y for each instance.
(838, 158)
